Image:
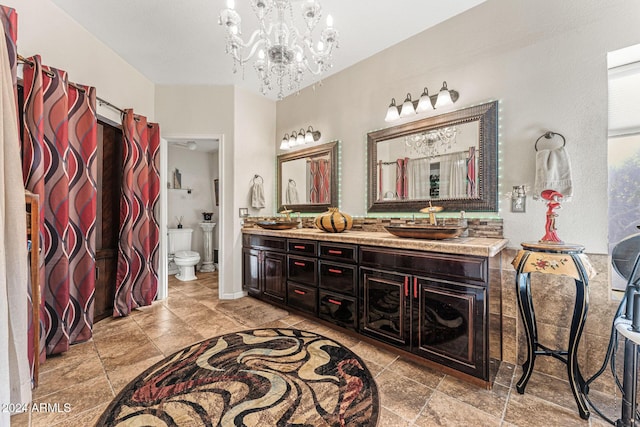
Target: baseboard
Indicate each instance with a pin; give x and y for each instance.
(234, 295)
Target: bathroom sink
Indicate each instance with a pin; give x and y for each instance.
(431, 232)
(278, 225)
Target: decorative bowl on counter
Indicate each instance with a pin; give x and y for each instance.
(333, 221)
(431, 232)
(277, 225)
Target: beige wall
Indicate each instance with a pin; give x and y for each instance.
(545, 61)
(45, 29)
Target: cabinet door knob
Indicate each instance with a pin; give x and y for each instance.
(298, 247)
(406, 286)
(299, 264)
(334, 252)
(299, 292)
(332, 301)
(333, 270)
(415, 287)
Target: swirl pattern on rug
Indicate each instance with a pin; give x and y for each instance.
(261, 377)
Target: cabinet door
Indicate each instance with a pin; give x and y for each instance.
(384, 303)
(275, 278)
(251, 271)
(450, 321)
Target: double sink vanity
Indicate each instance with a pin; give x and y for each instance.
(432, 300)
(429, 298)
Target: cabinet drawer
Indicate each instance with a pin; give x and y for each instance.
(452, 267)
(306, 247)
(264, 242)
(302, 270)
(339, 252)
(338, 309)
(338, 277)
(302, 298)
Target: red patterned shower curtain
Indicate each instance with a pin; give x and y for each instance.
(319, 181)
(59, 164)
(137, 277)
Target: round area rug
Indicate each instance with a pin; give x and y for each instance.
(261, 377)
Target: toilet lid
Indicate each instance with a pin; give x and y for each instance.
(186, 254)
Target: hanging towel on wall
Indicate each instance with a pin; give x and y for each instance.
(553, 172)
(257, 193)
(292, 193)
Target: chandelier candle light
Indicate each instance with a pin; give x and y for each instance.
(283, 52)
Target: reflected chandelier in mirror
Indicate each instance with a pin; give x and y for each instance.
(450, 158)
(308, 179)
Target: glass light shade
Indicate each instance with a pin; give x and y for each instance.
(424, 104)
(292, 139)
(444, 97)
(300, 138)
(407, 107)
(392, 112)
(308, 137)
(284, 145)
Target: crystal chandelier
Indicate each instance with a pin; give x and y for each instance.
(283, 53)
(432, 143)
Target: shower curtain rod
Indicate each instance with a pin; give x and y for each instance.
(78, 87)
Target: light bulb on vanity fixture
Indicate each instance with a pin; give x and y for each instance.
(300, 137)
(426, 102)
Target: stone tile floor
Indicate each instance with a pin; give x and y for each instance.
(90, 374)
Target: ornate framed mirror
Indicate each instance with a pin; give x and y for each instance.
(308, 179)
(450, 160)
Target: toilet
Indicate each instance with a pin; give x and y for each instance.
(181, 255)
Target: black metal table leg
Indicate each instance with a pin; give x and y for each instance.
(581, 306)
(528, 316)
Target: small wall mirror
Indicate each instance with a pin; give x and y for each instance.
(308, 178)
(450, 160)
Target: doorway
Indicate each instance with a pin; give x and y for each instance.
(190, 170)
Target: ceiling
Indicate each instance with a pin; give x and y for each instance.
(181, 43)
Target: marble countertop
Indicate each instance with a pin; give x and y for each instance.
(479, 246)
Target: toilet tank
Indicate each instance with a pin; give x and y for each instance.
(179, 239)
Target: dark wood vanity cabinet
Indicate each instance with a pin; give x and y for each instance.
(433, 305)
(338, 284)
(411, 301)
(264, 266)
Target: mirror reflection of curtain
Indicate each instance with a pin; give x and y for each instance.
(471, 173)
(453, 175)
(418, 171)
(402, 180)
(319, 181)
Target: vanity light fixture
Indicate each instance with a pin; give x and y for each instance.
(392, 112)
(444, 97)
(300, 137)
(284, 145)
(407, 107)
(426, 102)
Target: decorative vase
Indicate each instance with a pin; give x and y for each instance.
(334, 221)
(207, 215)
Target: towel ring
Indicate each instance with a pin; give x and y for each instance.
(292, 182)
(550, 135)
(256, 176)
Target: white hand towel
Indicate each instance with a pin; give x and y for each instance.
(257, 195)
(553, 172)
(292, 193)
